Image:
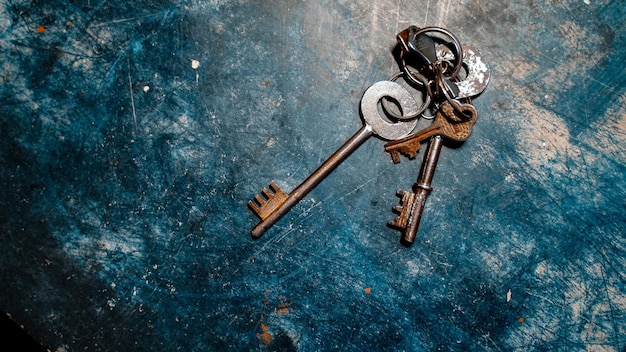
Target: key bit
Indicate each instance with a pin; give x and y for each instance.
(408, 146)
(403, 210)
(272, 199)
(413, 202)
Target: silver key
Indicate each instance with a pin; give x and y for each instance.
(275, 203)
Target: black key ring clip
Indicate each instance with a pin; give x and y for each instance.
(418, 41)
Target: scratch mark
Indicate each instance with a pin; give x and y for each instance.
(612, 313)
(285, 35)
(552, 302)
(124, 20)
(270, 243)
(132, 98)
(295, 172)
(362, 185)
(487, 337)
(446, 13)
(396, 29)
(356, 18)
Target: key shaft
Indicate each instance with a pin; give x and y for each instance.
(313, 180)
(422, 189)
(446, 125)
(275, 203)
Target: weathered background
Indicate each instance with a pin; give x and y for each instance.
(134, 134)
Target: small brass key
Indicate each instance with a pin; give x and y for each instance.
(445, 124)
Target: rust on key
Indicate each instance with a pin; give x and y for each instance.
(272, 199)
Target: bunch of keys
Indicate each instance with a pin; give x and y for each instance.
(447, 75)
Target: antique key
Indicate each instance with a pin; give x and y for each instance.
(446, 124)
(412, 203)
(451, 71)
(275, 203)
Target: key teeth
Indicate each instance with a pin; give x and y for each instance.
(411, 154)
(395, 222)
(274, 187)
(408, 147)
(394, 156)
(270, 198)
(252, 206)
(403, 210)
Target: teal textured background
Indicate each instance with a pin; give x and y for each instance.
(134, 134)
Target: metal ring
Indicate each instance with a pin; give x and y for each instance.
(445, 89)
(454, 41)
(457, 51)
(420, 111)
(377, 122)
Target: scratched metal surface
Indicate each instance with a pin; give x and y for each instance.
(134, 133)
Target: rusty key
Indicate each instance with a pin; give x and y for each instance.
(447, 125)
(274, 203)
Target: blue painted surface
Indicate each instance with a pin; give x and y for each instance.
(127, 167)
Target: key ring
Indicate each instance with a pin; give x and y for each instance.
(445, 89)
(422, 108)
(408, 45)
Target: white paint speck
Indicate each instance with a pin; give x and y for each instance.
(509, 295)
(587, 2)
(195, 64)
(146, 88)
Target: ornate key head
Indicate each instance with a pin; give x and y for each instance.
(456, 120)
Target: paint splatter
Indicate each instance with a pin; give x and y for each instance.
(265, 336)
